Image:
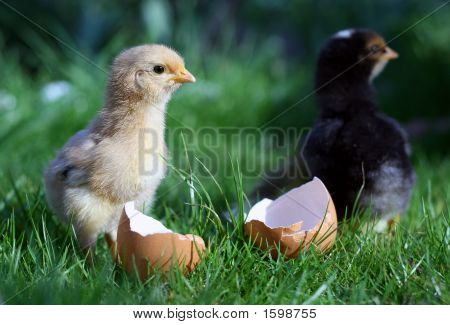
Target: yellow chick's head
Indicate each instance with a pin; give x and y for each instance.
(147, 72)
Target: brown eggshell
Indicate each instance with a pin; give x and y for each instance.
(302, 217)
(161, 249)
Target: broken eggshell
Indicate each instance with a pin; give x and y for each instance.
(303, 216)
(145, 244)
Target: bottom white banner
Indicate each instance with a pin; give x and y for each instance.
(223, 314)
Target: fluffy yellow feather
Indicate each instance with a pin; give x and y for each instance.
(121, 155)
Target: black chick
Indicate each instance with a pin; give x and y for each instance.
(353, 145)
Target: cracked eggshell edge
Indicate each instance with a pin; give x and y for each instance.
(292, 239)
(143, 248)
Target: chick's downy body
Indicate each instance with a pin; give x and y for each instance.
(121, 155)
(354, 148)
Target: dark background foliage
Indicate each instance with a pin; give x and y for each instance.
(253, 60)
(414, 86)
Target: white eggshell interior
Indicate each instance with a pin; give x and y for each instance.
(307, 203)
(143, 224)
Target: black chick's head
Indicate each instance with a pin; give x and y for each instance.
(357, 55)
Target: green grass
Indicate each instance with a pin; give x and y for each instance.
(40, 262)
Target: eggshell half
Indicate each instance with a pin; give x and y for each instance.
(302, 217)
(145, 244)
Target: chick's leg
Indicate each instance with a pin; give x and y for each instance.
(111, 240)
(87, 241)
(392, 224)
(91, 214)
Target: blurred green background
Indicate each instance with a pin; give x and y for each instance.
(253, 59)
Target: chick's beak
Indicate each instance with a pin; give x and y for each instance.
(390, 54)
(183, 76)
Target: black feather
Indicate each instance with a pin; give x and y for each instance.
(353, 144)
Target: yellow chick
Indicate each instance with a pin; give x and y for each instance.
(119, 157)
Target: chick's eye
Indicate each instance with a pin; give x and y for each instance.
(158, 69)
(374, 48)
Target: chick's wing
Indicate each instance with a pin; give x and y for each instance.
(73, 164)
